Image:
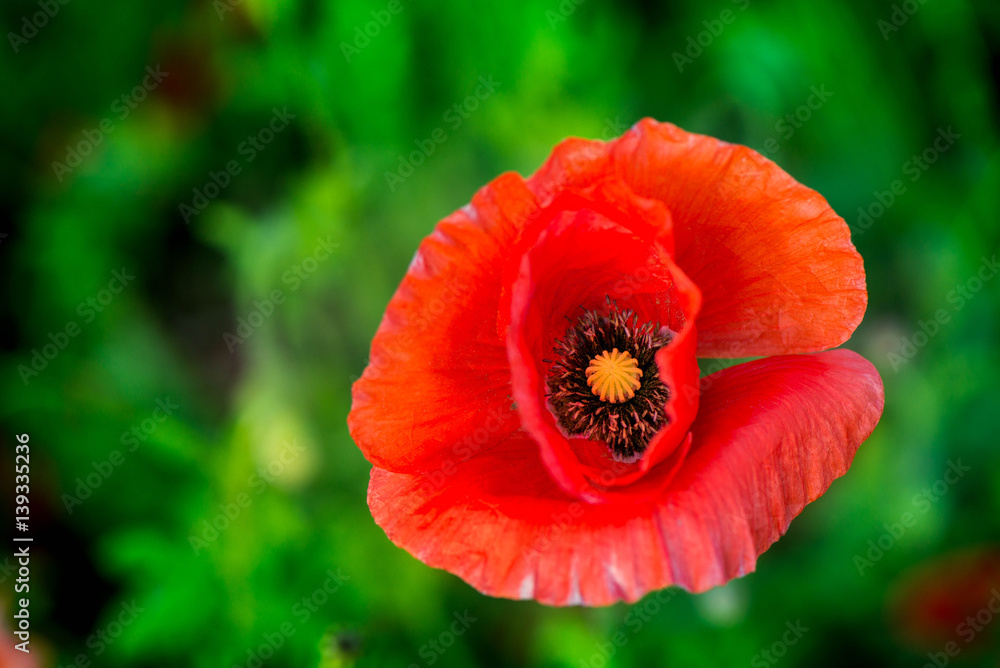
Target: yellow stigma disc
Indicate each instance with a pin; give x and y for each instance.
(614, 376)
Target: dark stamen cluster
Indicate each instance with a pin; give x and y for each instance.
(627, 426)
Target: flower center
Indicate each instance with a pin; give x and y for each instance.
(614, 376)
(615, 396)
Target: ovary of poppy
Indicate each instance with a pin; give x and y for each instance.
(492, 456)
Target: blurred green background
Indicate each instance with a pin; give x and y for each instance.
(258, 175)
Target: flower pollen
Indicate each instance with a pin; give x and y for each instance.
(615, 396)
(614, 376)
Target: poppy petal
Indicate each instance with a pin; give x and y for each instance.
(774, 262)
(438, 380)
(575, 265)
(770, 437)
(575, 163)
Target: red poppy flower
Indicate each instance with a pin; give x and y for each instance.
(532, 404)
(954, 598)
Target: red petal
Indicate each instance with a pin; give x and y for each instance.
(931, 601)
(578, 261)
(574, 164)
(771, 436)
(438, 381)
(501, 523)
(774, 262)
